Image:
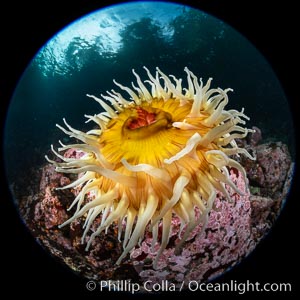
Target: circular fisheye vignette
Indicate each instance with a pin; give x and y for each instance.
(167, 180)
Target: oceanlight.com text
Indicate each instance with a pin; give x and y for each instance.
(193, 286)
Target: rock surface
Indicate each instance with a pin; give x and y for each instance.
(233, 229)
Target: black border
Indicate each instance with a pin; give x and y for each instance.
(26, 26)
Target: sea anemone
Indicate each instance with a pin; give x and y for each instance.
(165, 151)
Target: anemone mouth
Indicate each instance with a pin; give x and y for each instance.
(146, 121)
(166, 152)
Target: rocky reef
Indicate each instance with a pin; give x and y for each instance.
(232, 232)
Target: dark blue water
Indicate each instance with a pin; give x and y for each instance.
(55, 84)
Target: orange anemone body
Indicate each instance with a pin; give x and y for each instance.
(160, 153)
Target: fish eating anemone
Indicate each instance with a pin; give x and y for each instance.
(160, 151)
